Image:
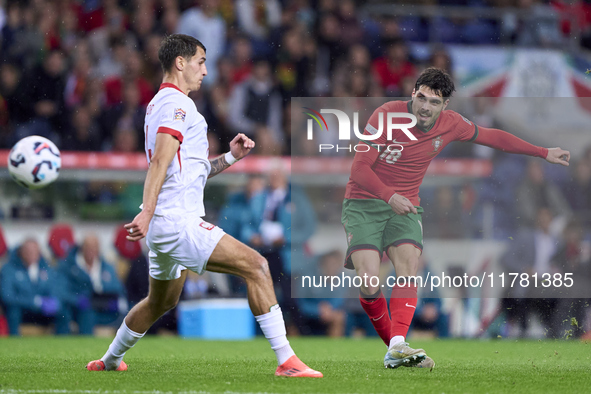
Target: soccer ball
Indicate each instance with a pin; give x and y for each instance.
(34, 162)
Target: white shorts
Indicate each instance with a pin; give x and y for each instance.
(179, 242)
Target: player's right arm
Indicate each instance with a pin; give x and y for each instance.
(166, 147)
(363, 174)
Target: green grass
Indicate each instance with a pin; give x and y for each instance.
(350, 366)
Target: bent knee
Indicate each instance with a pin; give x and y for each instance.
(257, 267)
(162, 306)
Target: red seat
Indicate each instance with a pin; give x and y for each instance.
(127, 249)
(61, 240)
(3, 246)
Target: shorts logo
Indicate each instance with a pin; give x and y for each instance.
(179, 114)
(349, 238)
(207, 226)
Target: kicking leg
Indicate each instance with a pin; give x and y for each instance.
(162, 297)
(403, 304)
(233, 257)
(367, 262)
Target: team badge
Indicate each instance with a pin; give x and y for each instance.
(349, 238)
(179, 114)
(437, 142)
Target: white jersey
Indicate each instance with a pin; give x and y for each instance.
(173, 112)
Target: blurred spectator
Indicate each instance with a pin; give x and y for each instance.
(351, 29)
(236, 213)
(429, 316)
(530, 252)
(31, 291)
(574, 258)
(125, 141)
(293, 67)
(441, 59)
(279, 222)
(77, 80)
(241, 59)
(322, 308)
(133, 65)
(45, 94)
(95, 294)
(260, 19)
(393, 67)
(204, 23)
(578, 191)
(330, 47)
(152, 71)
(256, 102)
(536, 192)
(128, 114)
(143, 23)
(538, 27)
(14, 108)
(84, 134)
(112, 59)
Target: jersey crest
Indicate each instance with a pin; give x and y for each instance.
(437, 142)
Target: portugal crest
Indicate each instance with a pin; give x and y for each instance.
(437, 142)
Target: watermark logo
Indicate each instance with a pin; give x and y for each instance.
(386, 122)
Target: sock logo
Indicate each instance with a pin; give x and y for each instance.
(410, 306)
(378, 317)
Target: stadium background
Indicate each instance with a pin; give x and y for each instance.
(82, 72)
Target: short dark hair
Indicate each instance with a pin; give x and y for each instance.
(437, 80)
(177, 45)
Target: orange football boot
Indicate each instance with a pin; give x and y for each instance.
(99, 365)
(294, 368)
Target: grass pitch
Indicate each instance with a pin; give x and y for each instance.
(171, 365)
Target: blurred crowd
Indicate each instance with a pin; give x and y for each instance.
(82, 71)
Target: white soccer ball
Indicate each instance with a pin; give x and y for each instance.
(34, 162)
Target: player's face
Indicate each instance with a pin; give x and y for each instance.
(196, 70)
(427, 106)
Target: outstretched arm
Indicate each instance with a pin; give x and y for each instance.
(240, 146)
(503, 141)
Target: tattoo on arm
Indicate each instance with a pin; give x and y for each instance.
(218, 165)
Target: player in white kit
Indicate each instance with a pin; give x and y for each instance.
(172, 211)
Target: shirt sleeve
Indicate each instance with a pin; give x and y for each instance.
(503, 141)
(466, 129)
(174, 120)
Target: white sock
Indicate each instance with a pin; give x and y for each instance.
(396, 339)
(273, 328)
(124, 340)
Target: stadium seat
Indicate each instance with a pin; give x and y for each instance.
(3, 246)
(128, 249)
(61, 240)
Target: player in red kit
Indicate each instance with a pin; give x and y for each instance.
(381, 210)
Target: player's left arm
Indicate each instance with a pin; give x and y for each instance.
(506, 142)
(240, 146)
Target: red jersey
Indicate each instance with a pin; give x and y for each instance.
(403, 170)
(380, 173)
